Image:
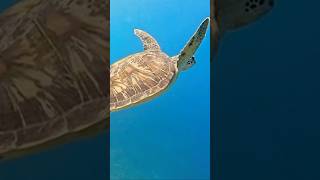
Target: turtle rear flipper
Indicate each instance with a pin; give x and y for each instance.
(149, 43)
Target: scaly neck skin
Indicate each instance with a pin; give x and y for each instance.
(175, 59)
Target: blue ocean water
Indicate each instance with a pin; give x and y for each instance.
(168, 137)
(82, 160)
(266, 97)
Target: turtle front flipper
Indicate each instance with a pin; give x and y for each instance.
(149, 43)
(193, 44)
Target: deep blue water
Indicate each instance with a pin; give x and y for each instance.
(168, 137)
(81, 160)
(266, 97)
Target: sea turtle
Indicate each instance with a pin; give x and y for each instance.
(54, 77)
(229, 15)
(144, 75)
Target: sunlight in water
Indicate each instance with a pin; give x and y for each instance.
(168, 137)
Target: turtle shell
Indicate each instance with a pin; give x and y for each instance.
(54, 73)
(139, 77)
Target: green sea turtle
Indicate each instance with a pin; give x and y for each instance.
(229, 15)
(144, 75)
(54, 77)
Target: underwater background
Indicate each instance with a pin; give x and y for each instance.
(266, 120)
(168, 137)
(83, 159)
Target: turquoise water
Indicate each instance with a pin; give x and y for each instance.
(168, 137)
(165, 138)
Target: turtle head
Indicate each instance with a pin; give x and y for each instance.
(233, 14)
(186, 57)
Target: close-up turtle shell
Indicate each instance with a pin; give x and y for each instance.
(54, 71)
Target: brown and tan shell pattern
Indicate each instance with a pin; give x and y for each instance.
(54, 73)
(140, 77)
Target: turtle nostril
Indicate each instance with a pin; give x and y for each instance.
(271, 3)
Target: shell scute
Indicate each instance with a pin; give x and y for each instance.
(140, 77)
(53, 65)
